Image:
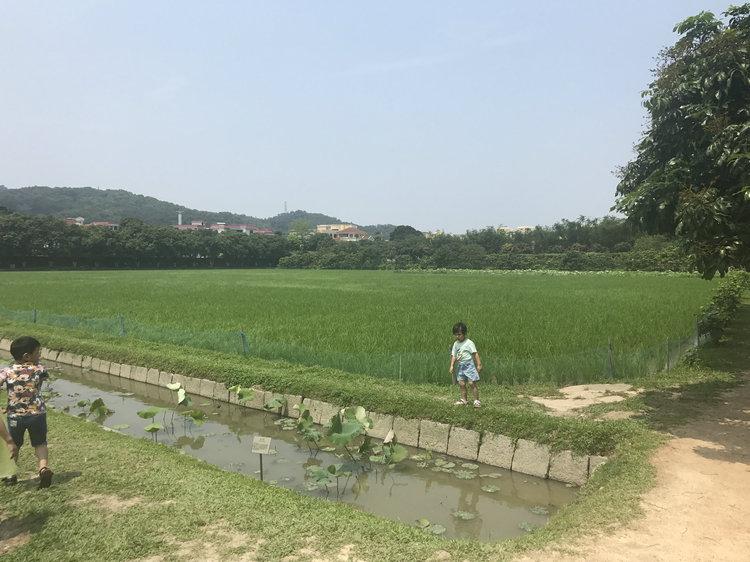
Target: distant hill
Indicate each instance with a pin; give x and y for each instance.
(117, 204)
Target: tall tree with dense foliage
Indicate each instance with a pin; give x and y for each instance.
(691, 173)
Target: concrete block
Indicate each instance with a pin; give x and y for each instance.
(126, 371)
(182, 379)
(152, 376)
(595, 461)
(531, 458)
(291, 401)
(114, 369)
(77, 360)
(496, 450)
(85, 362)
(381, 425)
(463, 443)
(433, 436)
(104, 367)
(164, 378)
(566, 467)
(95, 362)
(192, 385)
(220, 392)
(5, 345)
(406, 431)
(139, 374)
(45, 351)
(53, 355)
(322, 412)
(206, 388)
(65, 358)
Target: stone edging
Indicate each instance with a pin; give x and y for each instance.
(527, 457)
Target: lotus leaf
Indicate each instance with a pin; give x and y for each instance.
(492, 475)
(539, 510)
(436, 529)
(423, 523)
(490, 488)
(149, 413)
(469, 466)
(464, 515)
(523, 525)
(174, 386)
(153, 427)
(465, 474)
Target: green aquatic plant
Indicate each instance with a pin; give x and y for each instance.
(275, 403)
(243, 393)
(99, 409)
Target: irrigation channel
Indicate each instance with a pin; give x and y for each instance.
(480, 502)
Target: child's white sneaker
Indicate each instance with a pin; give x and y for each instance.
(461, 402)
(477, 404)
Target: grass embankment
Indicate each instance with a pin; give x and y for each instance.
(118, 498)
(503, 410)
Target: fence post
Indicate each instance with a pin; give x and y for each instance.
(610, 361)
(245, 344)
(121, 320)
(34, 316)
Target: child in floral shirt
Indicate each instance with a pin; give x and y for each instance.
(26, 410)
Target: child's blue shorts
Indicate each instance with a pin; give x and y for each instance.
(467, 372)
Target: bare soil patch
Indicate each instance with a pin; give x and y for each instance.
(583, 395)
(13, 534)
(107, 502)
(700, 507)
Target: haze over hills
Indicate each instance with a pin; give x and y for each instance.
(117, 204)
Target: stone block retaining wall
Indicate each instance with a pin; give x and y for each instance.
(486, 447)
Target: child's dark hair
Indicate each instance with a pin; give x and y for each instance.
(23, 345)
(460, 328)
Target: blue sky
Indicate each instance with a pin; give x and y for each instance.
(442, 115)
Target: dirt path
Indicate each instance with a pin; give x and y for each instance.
(700, 507)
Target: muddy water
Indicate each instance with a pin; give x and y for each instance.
(405, 493)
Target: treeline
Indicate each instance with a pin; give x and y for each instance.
(41, 242)
(580, 245)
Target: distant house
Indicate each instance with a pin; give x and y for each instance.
(329, 228)
(224, 227)
(352, 234)
(75, 220)
(515, 228)
(103, 224)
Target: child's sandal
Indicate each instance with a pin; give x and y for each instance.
(477, 404)
(461, 402)
(45, 478)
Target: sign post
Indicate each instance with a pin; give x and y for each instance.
(262, 446)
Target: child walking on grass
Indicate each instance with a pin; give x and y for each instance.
(26, 410)
(466, 364)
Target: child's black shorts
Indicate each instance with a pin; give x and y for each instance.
(36, 424)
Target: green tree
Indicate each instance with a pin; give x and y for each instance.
(691, 173)
(404, 231)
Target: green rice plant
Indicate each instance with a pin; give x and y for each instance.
(529, 326)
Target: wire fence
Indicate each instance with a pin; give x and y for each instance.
(608, 362)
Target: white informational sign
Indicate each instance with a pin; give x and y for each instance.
(261, 445)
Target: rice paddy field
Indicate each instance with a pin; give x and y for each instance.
(528, 326)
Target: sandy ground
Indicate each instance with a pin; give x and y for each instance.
(583, 395)
(700, 507)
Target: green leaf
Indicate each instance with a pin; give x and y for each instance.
(469, 466)
(436, 529)
(398, 453)
(464, 515)
(153, 427)
(83, 403)
(181, 395)
(149, 413)
(423, 523)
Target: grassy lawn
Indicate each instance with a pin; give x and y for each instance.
(117, 498)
